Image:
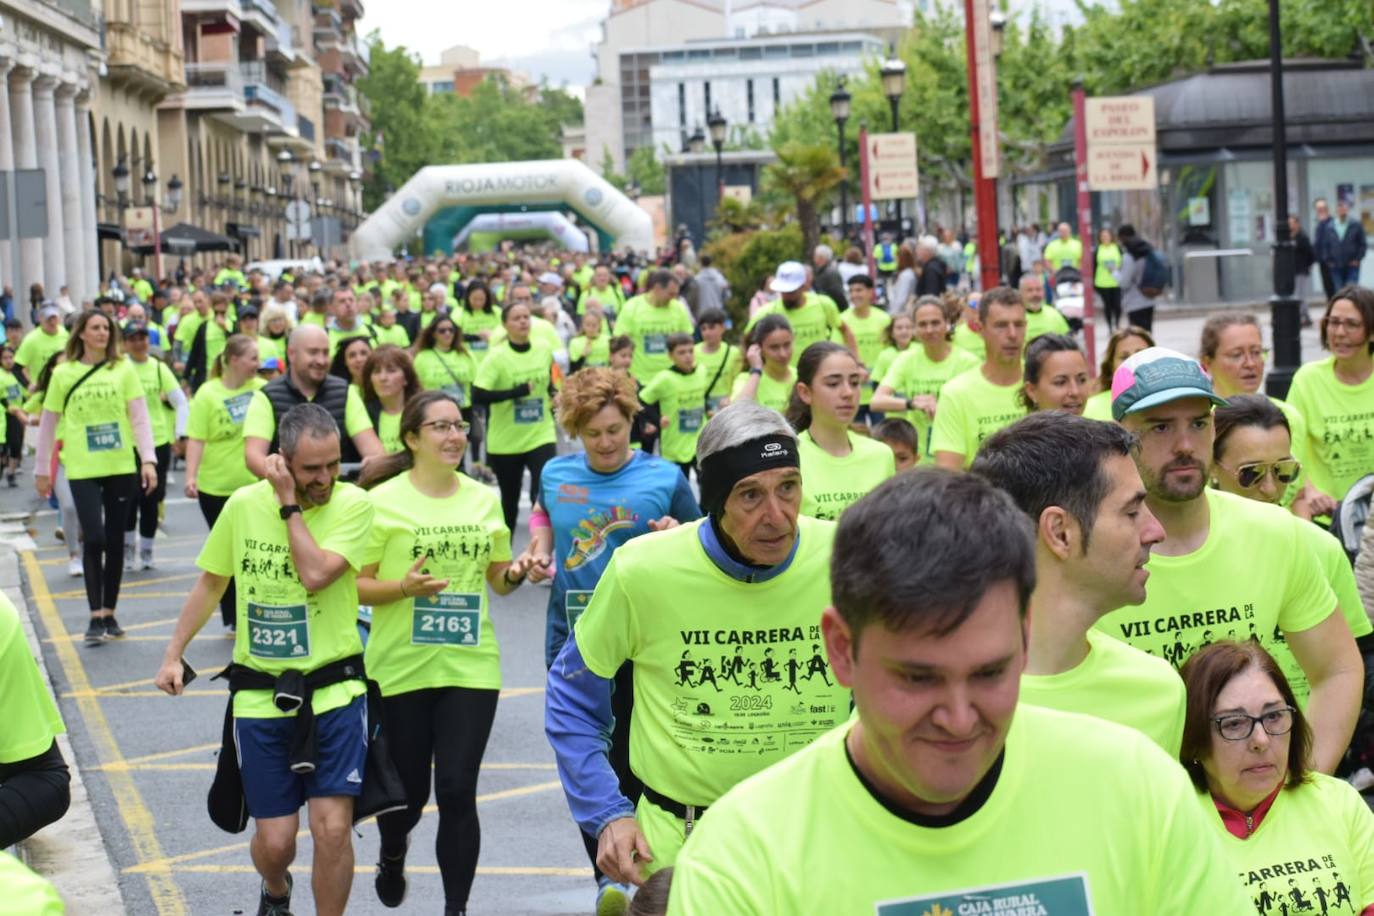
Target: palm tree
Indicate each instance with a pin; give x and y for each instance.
(808, 173)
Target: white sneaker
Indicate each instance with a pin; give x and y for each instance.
(145, 558)
(74, 568)
(128, 556)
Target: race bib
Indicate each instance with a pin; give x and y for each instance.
(447, 619)
(237, 407)
(278, 631)
(480, 344)
(655, 343)
(713, 402)
(103, 437)
(1066, 896)
(689, 420)
(12, 393)
(574, 603)
(529, 410)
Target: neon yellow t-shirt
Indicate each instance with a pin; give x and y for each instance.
(968, 339)
(319, 319)
(816, 319)
(1046, 321)
(521, 424)
(1338, 573)
(394, 335)
(1099, 407)
(1085, 817)
(1312, 853)
(682, 401)
(37, 348)
(215, 335)
(472, 323)
(971, 409)
(724, 671)
(157, 379)
(338, 336)
(389, 431)
(1063, 253)
(98, 440)
(610, 296)
(31, 717)
(648, 326)
(724, 375)
(261, 423)
(771, 392)
(217, 418)
(914, 373)
(281, 626)
(445, 640)
(830, 485)
(591, 352)
(1254, 577)
(1340, 425)
(452, 372)
(272, 346)
(1108, 259)
(1118, 683)
(868, 336)
(27, 894)
(887, 358)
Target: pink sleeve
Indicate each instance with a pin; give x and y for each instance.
(47, 434)
(143, 429)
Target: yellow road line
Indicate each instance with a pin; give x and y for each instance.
(138, 820)
(516, 871)
(520, 692)
(102, 692)
(124, 597)
(170, 862)
(193, 749)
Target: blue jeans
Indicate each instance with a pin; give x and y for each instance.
(1342, 277)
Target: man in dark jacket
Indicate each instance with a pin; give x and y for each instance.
(930, 269)
(1323, 244)
(1347, 247)
(828, 280)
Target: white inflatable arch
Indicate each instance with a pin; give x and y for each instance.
(565, 181)
(562, 230)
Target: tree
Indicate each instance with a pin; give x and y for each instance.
(808, 174)
(402, 136)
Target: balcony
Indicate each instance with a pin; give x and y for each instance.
(140, 63)
(214, 86)
(354, 58)
(351, 9)
(328, 26)
(285, 47)
(340, 154)
(267, 109)
(261, 15)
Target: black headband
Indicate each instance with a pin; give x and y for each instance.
(720, 471)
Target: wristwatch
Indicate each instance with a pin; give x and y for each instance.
(288, 511)
(755, 370)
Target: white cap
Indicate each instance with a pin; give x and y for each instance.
(550, 278)
(790, 277)
(439, 288)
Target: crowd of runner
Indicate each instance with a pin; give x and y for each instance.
(1098, 652)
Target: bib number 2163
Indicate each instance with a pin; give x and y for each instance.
(448, 619)
(278, 631)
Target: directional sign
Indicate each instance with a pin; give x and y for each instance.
(1121, 143)
(1121, 168)
(892, 171)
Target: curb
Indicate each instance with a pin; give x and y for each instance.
(69, 853)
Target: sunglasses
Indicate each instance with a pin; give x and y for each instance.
(1252, 474)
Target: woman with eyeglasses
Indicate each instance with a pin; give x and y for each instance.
(1121, 346)
(442, 362)
(1335, 394)
(1298, 840)
(1252, 456)
(438, 543)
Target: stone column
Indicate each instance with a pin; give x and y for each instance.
(74, 229)
(9, 250)
(25, 157)
(85, 170)
(45, 129)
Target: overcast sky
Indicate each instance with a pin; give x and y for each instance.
(545, 38)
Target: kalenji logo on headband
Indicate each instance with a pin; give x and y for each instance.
(773, 450)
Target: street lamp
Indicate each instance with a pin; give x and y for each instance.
(173, 195)
(893, 73)
(717, 124)
(839, 110)
(695, 144)
(697, 141)
(1284, 307)
(149, 187)
(120, 174)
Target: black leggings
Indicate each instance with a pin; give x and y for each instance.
(449, 727)
(1111, 304)
(102, 506)
(210, 507)
(14, 438)
(33, 794)
(1142, 318)
(510, 471)
(143, 509)
(622, 705)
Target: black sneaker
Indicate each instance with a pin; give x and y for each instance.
(95, 633)
(391, 880)
(275, 906)
(112, 629)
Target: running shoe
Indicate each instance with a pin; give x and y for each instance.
(612, 899)
(75, 569)
(9, 478)
(95, 633)
(128, 556)
(145, 558)
(275, 906)
(112, 629)
(391, 880)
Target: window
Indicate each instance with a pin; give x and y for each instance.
(682, 104)
(749, 92)
(777, 94)
(441, 86)
(751, 53)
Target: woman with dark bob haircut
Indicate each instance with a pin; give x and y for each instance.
(1294, 836)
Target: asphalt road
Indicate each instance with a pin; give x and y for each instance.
(149, 758)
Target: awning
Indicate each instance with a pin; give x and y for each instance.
(110, 231)
(242, 230)
(184, 238)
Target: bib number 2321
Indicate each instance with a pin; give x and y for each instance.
(448, 619)
(278, 631)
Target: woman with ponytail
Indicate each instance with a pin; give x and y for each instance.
(439, 541)
(838, 466)
(215, 463)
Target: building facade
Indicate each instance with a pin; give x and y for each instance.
(460, 70)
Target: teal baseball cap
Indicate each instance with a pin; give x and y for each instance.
(1158, 375)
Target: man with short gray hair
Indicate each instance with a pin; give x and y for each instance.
(828, 280)
(720, 693)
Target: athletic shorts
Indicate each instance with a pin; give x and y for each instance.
(263, 746)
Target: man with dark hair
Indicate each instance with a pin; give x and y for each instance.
(296, 729)
(941, 795)
(648, 319)
(974, 405)
(1077, 482)
(867, 324)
